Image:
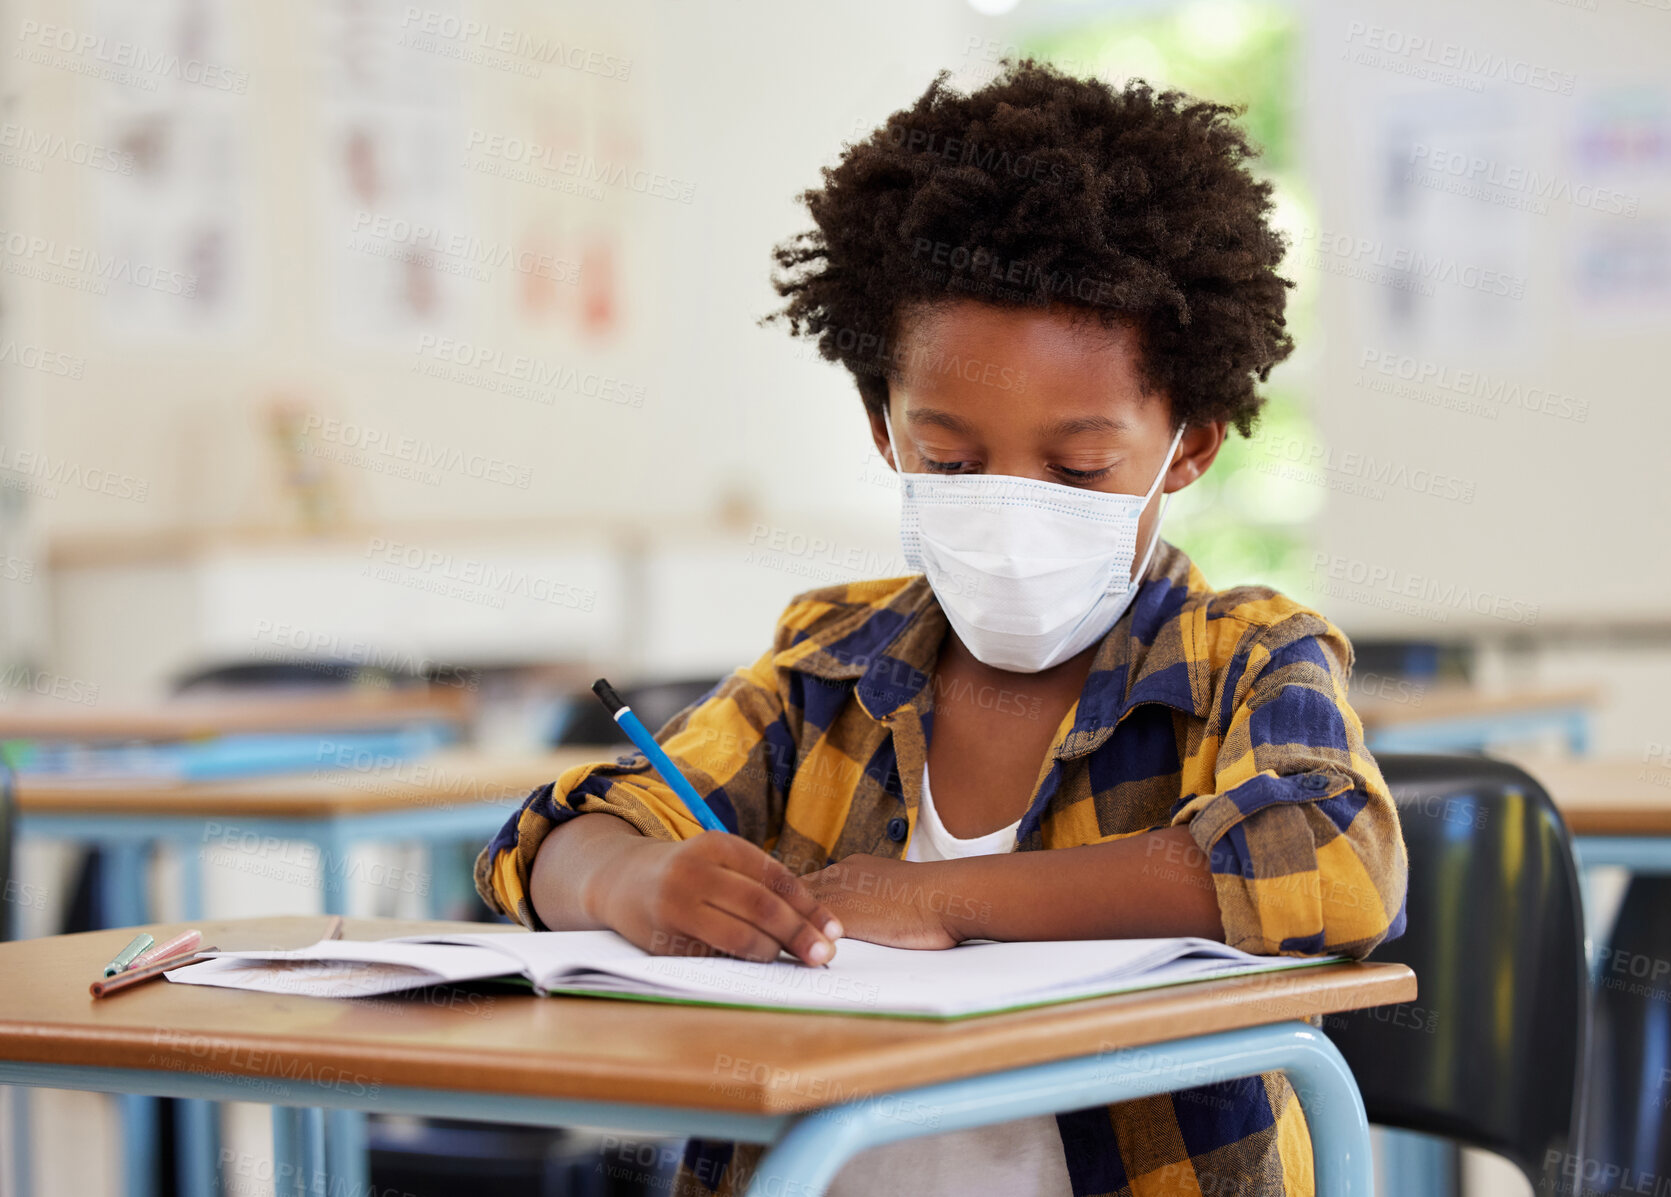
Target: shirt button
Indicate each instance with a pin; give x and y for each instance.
(1314, 781)
(897, 828)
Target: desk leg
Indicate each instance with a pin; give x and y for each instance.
(124, 898)
(299, 1151)
(345, 1152)
(312, 1171)
(1578, 733)
(197, 1140)
(286, 1131)
(23, 1173)
(191, 881)
(139, 1143)
(1416, 1165)
(810, 1153)
(333, 868)
(124, 902)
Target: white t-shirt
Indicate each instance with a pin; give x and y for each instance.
(1012, 1159)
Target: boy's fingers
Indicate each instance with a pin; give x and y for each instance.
(776, 876)
(796, 892)
(756, 904)
(733, 936)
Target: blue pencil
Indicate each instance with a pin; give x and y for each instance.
(640, 735)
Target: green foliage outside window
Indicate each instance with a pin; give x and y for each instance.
(1246, 519)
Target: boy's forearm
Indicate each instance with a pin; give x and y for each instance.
(565, 884)
(1154, 884)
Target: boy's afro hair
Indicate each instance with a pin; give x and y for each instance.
(1037, 189)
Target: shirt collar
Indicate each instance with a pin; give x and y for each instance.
(1153, 654)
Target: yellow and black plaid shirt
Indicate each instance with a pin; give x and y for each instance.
(1223, 711)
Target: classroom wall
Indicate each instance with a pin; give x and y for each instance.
(742, 446)
(1542, 499)
(713, 428)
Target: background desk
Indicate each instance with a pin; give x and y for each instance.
(809, 1088)
(1605, 799)
(448, 797)
(196, 717)
(437, 801)
(1619, 814)
(1465, 719)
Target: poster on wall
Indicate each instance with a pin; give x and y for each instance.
(402, 256)
(1620, 258)
(1455, 223)
(173, 185)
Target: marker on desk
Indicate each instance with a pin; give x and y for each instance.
(140, 976)
(186, 941)
(125, 957)
(646, 743)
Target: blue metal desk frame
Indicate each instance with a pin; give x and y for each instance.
(806, 1150)
(1475, 733)
(125, 840)
(1639, 853)
(126, 837)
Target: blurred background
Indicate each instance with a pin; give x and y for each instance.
(411, 350)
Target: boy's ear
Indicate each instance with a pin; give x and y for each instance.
(879, 437)
(1197, 450)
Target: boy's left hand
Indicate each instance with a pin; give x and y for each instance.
(883, 901)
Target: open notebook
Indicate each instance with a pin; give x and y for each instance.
(864, 978)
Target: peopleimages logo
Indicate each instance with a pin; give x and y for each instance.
(103, 268)
(1369, 580)
(48, 361)
(497, 581)
(363, 445)
(540, 48)
(148, 65)
(34, 146)
(522, 376)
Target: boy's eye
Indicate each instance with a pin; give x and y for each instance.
(946, 467)
(1083, 476)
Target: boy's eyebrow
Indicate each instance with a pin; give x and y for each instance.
(942, 419)
(1074, 425)
(1069, 426)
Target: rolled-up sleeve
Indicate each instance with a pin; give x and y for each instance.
(734, 745)
(1301, 831)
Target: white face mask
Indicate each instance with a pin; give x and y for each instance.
(1028, 572)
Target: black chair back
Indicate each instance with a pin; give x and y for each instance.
(1628, 1114)
(1490, 1053)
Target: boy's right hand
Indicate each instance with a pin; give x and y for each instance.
(715, 894)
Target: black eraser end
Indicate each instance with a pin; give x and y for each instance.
(606, 694)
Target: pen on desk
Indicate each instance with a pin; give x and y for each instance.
(125, 957)
(186, 941)
(138, 976)
(640, 736)
(334, 930)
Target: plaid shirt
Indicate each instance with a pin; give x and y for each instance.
(1223, 711)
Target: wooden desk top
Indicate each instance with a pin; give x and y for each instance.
(442, 779)
(748, 1061)
(191, 718)
(1465, 702)
(1605, 796)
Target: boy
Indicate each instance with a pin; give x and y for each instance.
(1054, 299)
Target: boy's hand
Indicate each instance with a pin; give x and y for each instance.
(715, 894)
(880, 900)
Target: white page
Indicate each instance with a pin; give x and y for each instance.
(863, 977)
(345, 968)
(869, 978)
